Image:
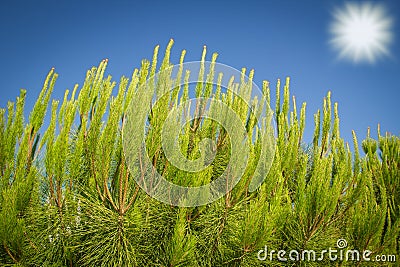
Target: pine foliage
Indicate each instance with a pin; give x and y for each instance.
(68, 198)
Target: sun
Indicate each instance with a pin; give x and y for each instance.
(361, 32)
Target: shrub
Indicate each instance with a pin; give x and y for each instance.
(69, 198)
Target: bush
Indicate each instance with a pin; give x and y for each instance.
(69, 198)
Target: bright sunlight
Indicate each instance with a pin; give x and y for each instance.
(361, 32)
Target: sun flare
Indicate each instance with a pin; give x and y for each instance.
(361, 32)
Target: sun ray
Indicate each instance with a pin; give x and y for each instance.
(361, 32)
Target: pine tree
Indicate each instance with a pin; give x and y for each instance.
(71, 198)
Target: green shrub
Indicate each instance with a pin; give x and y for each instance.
(68, 198)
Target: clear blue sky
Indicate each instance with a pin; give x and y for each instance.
(276, 38)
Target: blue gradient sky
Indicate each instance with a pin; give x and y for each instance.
(276, 38)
